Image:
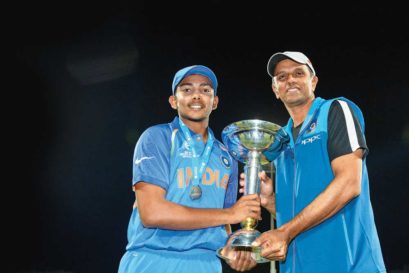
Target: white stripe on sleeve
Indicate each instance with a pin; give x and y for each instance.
(353, 139)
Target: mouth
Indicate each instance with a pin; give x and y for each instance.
(293, 90)
(196, 106)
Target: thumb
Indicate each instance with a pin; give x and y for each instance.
(263, 175)
(260, 240)
(256, 243)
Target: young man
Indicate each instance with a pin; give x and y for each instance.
(185, 185)
(324, 215)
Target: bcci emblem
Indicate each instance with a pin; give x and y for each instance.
(312, 127)
(225, 161)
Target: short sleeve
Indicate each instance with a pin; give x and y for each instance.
(345, 134)
(151, 158)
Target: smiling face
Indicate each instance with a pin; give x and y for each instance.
(293, 83)
(194, 99)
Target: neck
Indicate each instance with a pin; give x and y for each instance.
(298, 113)
(199, 127)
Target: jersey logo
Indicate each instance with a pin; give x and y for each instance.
(137, 161)
(186, 154)
(225, 161)
(312, 127)
(310, 140)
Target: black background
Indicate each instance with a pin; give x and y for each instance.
(86, 78)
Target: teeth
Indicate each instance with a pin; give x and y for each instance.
(196, 106)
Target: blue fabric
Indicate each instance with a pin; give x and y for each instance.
(162, 158)
(279, 144)
(346, 242)
(146, 260)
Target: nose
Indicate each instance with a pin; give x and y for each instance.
(196, 94)
(290, 77)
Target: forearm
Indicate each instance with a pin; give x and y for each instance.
(328, 203)
(345, 186)
(169, 215)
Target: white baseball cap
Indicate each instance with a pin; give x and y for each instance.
(293, 55)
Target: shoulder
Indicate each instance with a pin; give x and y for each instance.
(344, 102)
(164, 128)
(156, 132)
(341, 103)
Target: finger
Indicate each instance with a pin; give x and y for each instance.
(239, 261)
(275, 257)
(264, 177)
(253, 196)
(273, 250)
(255, 215)
(244, 261)
(257, 242)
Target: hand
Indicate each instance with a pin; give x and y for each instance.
(239, 260)
(274, 244)
(246, 206)
(280, 141)
(267, 196)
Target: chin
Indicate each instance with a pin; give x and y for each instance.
(194, 118)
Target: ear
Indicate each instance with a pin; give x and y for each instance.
(314, 82)
(215, 102)
(275, 90)
(173, 102)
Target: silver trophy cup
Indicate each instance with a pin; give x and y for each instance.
(246, 140)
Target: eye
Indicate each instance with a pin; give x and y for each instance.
(281, 77)
(186, 90)
(299, 73)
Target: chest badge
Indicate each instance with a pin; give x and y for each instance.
(225, 161)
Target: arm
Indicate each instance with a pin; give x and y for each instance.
(345, 186)
(157, 212)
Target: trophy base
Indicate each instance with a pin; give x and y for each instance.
(255, 254)
(241, 241)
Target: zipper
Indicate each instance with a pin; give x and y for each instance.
(344, 225)
(294, 188)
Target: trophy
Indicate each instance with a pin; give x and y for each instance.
(246, 140)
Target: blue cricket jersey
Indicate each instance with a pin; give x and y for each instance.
(162, 158)
(346, 242)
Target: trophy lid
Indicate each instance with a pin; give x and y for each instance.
(249, 135)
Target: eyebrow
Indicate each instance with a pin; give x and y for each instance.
(295, 69)
(191, 84)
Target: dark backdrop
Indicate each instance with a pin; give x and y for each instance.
(86, 78)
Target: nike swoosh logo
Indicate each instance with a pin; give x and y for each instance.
(137, 161)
